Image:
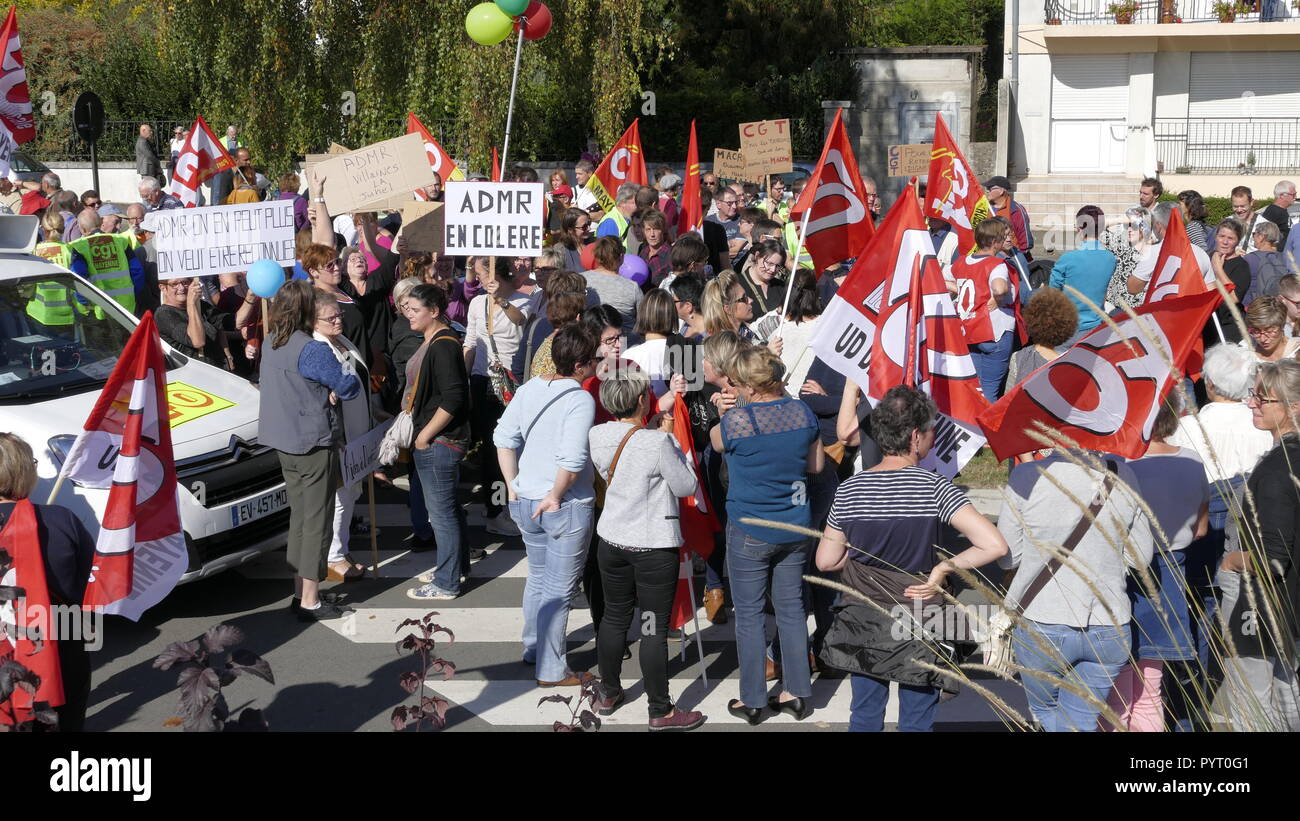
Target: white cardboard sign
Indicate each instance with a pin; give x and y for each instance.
(222, 239)
(494, 218)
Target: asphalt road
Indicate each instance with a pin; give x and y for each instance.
(343, 675)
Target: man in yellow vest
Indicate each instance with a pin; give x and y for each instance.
(106, 260)
(618, 222)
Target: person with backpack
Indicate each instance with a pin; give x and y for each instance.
(1267, 264)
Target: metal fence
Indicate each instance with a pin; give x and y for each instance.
(1223, 145)
(57, 140)
(1097, 12)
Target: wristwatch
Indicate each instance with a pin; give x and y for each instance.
(318, 199)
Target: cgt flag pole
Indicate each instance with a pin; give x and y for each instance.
(794, 266)
(514, 84)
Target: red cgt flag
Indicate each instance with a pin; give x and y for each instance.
(835, 203)
(692, 213)
(15, 96)
(892, 322)
(697, 519)
(952, 193)
(1105, 392)
(1177, 272)
(30, 625)
(624, 163)
(202, 158)
(439, 160)
(126, 446)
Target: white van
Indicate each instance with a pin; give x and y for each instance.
(232, 496)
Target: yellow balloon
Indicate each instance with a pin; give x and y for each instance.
(487, 24)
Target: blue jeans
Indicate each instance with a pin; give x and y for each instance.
(916, 706)
(1092, 656)
(752, 565)
(818, 599)
(1168, 635)
(992, 360)
(557, 544)
(439, 468)
(711, 468)
(419, 512)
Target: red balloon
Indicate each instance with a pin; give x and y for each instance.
(588, 255)
(537, 19)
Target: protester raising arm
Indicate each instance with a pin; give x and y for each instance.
(322, 228)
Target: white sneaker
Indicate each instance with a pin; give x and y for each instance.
(430, 592)
(501, 525)
(425, 578)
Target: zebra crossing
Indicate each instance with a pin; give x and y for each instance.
(497, 688)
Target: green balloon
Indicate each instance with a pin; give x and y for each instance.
(488, 25)
(514, 8)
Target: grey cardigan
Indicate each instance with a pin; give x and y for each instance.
(641, 505)
(1037, 517)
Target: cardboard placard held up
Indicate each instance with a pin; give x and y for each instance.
(729, 164)
(422, 225)
(377, 177)
(909, 160)
(766, 146)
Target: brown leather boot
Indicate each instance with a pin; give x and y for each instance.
(713, 609)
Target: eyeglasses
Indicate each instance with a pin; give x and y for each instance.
(135, 219)
(94, 204)
(611, 340)
(1272, 330)
(1258, 399)
(727, 202)
(745, 298)
(333, 318)
(767, 263)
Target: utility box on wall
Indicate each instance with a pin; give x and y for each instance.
(899, 92)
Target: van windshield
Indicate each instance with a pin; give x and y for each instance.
(58, 337)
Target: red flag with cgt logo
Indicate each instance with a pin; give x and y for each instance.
(835, 200)
(1104, 392)
(624, 163)
(202, 158)
(126, 447)
(439, 160)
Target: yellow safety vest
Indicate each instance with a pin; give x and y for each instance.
(791, 240)
(624, 227)
(107, 266)
(55, 252)
(51, 305)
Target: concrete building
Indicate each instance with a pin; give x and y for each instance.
(1101, 98)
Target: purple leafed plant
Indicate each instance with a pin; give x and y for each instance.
(208, 664)
(425, 708)
(581, 717)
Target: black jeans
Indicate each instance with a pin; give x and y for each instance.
(486, 411)
(647, 579)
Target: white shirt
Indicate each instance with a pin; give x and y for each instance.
(1146, 264)
(507, 336)
(1223, 435)
(583, 198)
(650, 356)
(343, 225)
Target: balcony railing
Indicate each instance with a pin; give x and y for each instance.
(1222, 145)
(1098, 12)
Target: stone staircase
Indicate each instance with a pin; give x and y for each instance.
(1052, 200)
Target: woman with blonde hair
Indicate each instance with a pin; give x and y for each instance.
(771, 446)
(1266, 320)
(66, 553)
(727, 307)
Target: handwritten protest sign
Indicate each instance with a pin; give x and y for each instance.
(766, 146)
(494, 218)
(361, 455)
(377, 176)
(222, 239)
(422, 226)
(730, 164)
(909, 160)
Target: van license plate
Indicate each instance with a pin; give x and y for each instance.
(264, 505)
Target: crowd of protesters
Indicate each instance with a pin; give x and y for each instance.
(553, 381)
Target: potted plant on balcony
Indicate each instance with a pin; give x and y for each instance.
(1169, 12)
(1227, 12)
(1123, 11)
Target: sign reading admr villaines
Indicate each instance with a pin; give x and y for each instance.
(494, 218)
(222, 239)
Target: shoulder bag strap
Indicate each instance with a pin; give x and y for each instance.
(1072, 541)
(450, 336)
(542, 413)
(609, 477)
